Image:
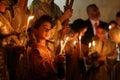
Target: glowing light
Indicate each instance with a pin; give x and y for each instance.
(89, 45)
(110, 27)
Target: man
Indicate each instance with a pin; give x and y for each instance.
(92, 22)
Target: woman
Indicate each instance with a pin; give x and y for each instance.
(44, 64)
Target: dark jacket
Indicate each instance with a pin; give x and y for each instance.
(90, 33)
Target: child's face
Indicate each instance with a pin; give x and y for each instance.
(102, 34)
(44, 31)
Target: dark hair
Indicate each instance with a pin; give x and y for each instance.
(118, 14)
(104, 26)
(91, 5)
(42, 19)
(113, 21)
(78, 25)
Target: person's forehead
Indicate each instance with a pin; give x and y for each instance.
(46, 25)
(93, 8)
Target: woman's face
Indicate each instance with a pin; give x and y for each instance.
(44, 31)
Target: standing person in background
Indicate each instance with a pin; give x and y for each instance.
(44, 65)
(92, 23)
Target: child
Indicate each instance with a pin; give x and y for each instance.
(43, 63)
(103, 54)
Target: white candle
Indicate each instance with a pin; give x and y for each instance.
(89, 45)
(29, 18)
(80, 43)
(25, 39)
(63, 44)
(93, 44)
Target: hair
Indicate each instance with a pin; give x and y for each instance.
(78, 25)
(91, 5)
(118, 14)
(41, 20)
(112, 21)
(104, 26)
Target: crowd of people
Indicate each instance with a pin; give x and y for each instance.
(48, 47)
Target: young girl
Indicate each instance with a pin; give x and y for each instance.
(44, 64)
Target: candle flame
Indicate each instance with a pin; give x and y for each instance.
(74, 42)
(30, 18)
(110, 27)
(93, 43)
(67, 38)
(80, 37)
(61, 43)
(89, 45)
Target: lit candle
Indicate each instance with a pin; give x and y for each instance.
(80, 42)
(63, 44)
(23, 41)
(110, 27)
(89, 45)
(29, 18)
(93, 44)
(74, 43)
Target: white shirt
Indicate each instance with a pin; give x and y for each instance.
(93, 25)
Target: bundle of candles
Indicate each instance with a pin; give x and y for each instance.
(91, 47)
(62, 44)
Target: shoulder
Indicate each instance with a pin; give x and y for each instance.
(88, 22)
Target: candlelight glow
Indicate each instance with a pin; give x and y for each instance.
(63, 44)
(93, 43)
(74, 42)
(89, 45)
(80, 37)
(30, 18)
(110, 27)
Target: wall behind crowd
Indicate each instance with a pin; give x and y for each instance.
(108, 8)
